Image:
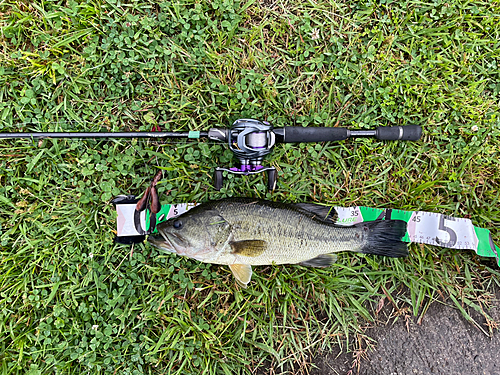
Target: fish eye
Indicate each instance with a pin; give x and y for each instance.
(177, 224)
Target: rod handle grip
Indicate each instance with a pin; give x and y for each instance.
(298, 134)
(399, 133)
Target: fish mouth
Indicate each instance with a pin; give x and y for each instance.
(162, 243)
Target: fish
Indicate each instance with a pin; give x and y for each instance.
(246, 232)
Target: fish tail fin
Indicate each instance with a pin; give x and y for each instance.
(384, 238)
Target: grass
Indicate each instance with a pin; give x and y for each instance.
(74, 302)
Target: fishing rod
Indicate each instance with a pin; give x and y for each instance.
(250, 141)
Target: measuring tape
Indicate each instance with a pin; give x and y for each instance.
(422, 227)
(429, 228)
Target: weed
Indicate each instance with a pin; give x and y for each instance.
(72, 301)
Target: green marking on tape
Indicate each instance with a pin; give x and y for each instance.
(165, 208)
(401, 215)
(370, 214)
(485, 247)
(194, 134)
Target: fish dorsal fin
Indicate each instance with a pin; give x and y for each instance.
(242, 273)
(324, 213)
(321, 261)
(248, 248)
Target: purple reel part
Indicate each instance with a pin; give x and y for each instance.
(246, 170)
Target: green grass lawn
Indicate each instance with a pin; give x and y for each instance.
(73, 302)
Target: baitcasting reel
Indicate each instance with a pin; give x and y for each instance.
(251, 140)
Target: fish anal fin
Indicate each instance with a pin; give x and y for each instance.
(242, 273)
(324, 213)
(321, 261)
(248, 248)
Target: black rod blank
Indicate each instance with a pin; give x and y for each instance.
(104, 135)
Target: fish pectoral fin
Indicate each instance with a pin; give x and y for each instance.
(321, 261)
(324, 213)
(248, 248)
(242, 273)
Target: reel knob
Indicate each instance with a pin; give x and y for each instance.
(271, 179)
(218, 179)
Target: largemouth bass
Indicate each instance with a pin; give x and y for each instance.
(246, 232)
